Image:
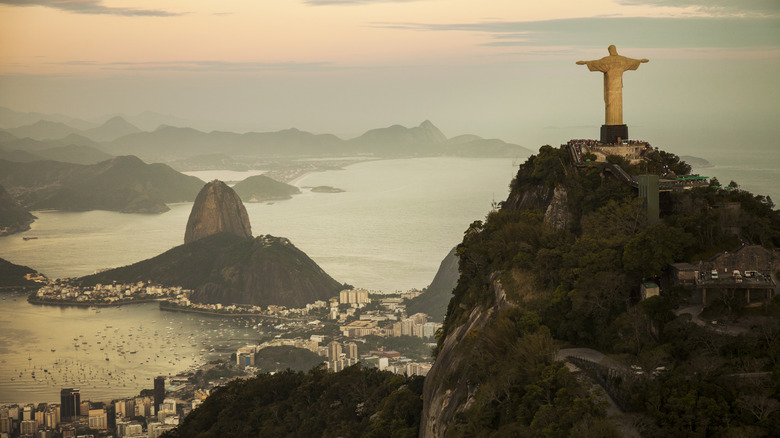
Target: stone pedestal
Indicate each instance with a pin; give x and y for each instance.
(612, 134)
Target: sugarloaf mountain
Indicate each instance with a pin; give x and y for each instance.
(222, 263)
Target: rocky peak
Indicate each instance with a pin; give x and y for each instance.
(217, 209)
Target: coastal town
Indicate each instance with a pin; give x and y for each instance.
(355, 327)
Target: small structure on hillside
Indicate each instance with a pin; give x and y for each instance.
(746, 275)
(649, 290)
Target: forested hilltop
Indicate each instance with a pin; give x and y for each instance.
(555, 270)
(561, 264)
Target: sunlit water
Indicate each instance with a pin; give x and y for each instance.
(388, 231)
(108, 352)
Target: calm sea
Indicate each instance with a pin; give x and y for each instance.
(388, 231)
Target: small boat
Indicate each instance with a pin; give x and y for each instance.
(29, 238)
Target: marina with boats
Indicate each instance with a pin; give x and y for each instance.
(110, 352)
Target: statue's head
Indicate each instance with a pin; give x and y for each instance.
(612, 50)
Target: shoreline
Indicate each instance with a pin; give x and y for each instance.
(61, 303)
(175, 308)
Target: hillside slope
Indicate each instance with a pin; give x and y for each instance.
(531, 281)
(124, 184)
(13, 218)
(227, 269)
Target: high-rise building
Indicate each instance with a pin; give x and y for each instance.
(70, 403)
(159, 392)
(98, 419)
(334, 350)
(352, 350)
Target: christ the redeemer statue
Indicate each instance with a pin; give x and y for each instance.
(613, 67)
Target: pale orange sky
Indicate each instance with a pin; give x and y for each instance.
(496, 68)
(40, 39)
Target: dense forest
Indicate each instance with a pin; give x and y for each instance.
(355, 402)
(580, 285)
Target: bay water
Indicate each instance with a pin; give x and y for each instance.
(388, 231)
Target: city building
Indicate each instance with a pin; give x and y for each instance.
(357, 297)
(352, 350)
(159, 392)
(97, 417)
(358, 328)
(334, 351)
(70, 403)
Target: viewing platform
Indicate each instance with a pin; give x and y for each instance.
(586, 152)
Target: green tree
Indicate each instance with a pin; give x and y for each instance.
(650, 251)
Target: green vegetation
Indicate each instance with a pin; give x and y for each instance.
(281, 358)
(356, 402)
(13, 218)
(520, 390)
(12, 276)
(575, 285)
(124, 184)
(409, 346)
(581, 286)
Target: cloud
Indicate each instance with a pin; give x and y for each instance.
(716, 7)
(639, 32)
(204, 66)
(93, 7)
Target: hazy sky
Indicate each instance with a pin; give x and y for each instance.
(496, 68)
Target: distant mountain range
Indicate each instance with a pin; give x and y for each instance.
(169, 144)
(73, 148)
(56, 162)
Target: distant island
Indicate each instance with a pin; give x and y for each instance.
(326, 189)
(260, 188)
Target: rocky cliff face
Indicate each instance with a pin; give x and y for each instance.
(447, 393)
(217, 209)
(557, 213)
